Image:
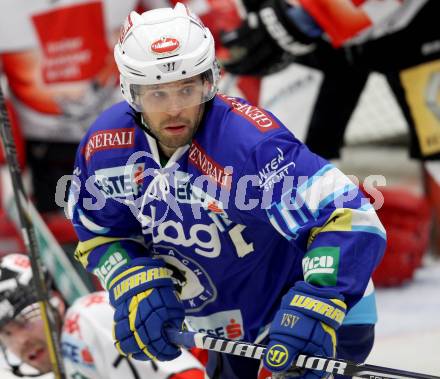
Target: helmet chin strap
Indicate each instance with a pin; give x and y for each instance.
(15, 369)
(144, 126)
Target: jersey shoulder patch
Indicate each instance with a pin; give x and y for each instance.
(115, 128)
(258, 117)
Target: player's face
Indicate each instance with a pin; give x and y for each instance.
(173, 111)
(26, 340)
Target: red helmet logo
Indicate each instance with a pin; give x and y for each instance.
(125, 29)
(165, 45)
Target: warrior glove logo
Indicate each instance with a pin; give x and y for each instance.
(277, 355)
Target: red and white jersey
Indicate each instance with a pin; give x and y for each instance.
(355, 21)
(88, 350)
(58, 59)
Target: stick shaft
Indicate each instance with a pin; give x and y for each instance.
(333, 366)
(30, 239)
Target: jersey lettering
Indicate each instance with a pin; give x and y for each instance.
(173, 232)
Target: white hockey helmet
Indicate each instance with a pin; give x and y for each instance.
(162, 46)
(16, 288)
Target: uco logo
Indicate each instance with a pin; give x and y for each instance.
(277, 355)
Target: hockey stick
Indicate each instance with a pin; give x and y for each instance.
(30, 238)
(333, 366)
(67, 280)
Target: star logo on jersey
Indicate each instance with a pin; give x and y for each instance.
(95, 299)
(71, 324)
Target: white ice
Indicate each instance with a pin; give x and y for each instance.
(408, 331)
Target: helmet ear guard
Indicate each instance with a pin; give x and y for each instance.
(128, 94)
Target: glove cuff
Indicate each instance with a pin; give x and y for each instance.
(321, 304)
(140, 275)
(282, 29)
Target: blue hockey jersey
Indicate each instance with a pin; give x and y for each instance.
(239, 215)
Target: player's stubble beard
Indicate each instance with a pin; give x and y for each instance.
(174, 142)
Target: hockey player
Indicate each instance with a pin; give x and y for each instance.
(348, 40)
(192, 203)
(86, 340)
(56, 57)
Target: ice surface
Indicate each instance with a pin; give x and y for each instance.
(408, 331)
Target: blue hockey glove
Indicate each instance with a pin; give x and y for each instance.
(145, 303)
(305, 324)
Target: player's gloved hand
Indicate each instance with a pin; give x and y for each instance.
(145, 303)
(269, 39)
(251, 49)
(305, 324)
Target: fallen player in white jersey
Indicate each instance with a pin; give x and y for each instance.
(86, 340)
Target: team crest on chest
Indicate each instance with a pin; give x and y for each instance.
(196, 289)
